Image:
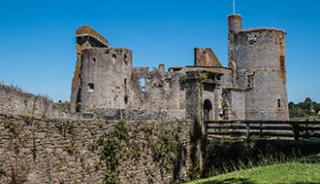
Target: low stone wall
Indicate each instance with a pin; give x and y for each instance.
(65, 151)
(15, 101)
(136, 115)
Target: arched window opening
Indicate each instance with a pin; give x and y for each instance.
(207, 106)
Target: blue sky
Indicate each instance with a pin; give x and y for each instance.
(37, 50)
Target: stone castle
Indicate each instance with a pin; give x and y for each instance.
(251, 87)
(76, 142)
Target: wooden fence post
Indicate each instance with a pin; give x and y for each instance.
(260, 133)
(306, 128)
(247, 130)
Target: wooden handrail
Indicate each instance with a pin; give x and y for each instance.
(263, 129)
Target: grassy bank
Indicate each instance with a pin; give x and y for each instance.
(306, 171)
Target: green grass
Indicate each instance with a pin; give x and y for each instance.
(294, 172)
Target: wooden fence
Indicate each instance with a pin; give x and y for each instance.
(296, 130)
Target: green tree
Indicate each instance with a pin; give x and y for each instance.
(304, 109)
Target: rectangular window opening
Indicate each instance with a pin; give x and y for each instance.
(90, 87)
(250, 81)
(282, 63)
(126, 100)
(142, 82)
(279, 103)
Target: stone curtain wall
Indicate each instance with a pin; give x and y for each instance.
(156, 90)
(64, 151)
(14, 101)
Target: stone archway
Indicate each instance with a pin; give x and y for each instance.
(207, 109)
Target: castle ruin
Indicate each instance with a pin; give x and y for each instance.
(251, 87)
(46, 142)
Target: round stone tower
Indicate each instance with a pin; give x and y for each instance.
(234, 26)
(260, 57)
(235, 23)
(105, 77)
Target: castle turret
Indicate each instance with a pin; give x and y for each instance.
(257, 60)
(102, 74)
(234, 27)
(260, 59)
(86, 38)
(235, 23)
(105, 78)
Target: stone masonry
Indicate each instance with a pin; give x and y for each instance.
(37, 151)
(165, 111)
(252, 87)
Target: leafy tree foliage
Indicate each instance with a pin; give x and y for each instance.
(304, 109)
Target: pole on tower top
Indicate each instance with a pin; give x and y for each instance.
(234, 7)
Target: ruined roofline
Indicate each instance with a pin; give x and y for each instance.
(193, 66)
(107, 48)
(88, 31)
(176, 67)
(263, 29)
(220, 70)
(206, 57)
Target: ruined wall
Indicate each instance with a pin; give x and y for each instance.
(64, 151)
(234, 104)
(75, 86)
(15, 101)
(105, 78)
(205, 57)
(157, 91)
(260, 59)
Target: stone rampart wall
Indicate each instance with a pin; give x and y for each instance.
(65, 151)
(15, 101)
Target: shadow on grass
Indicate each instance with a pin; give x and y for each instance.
(230, 181)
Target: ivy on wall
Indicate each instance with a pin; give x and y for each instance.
(121, 143)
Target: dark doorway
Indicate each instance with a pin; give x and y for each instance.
(207, 107)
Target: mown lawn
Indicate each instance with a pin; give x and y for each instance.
(294, 172)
